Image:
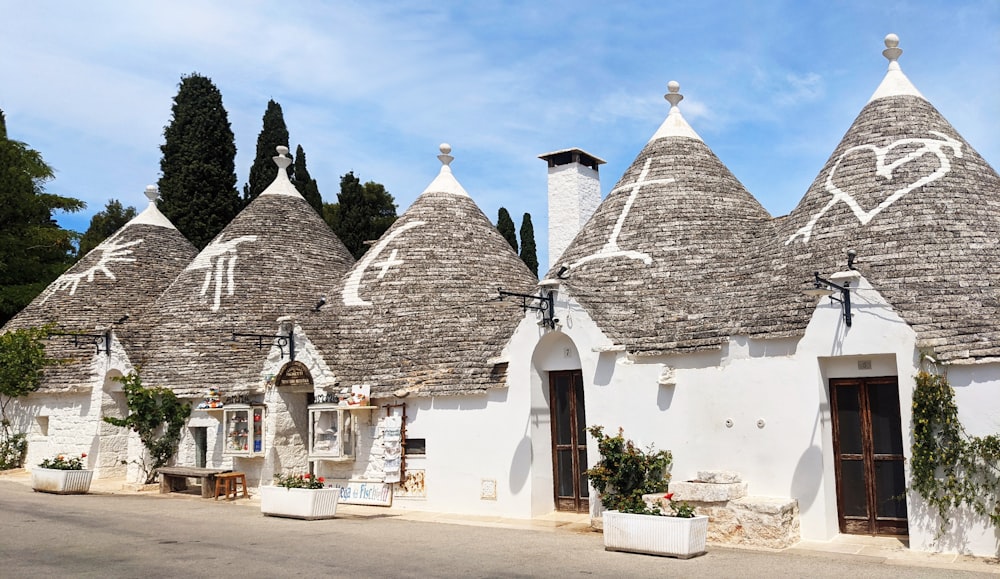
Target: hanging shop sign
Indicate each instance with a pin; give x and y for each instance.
(294, 375)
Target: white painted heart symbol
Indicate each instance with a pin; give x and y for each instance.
(882, 169)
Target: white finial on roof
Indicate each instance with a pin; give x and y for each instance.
(282, 160)
(151, 215)
(445, 156)
(445, 182)
(674, 125)
(281, 184)
(895, 82)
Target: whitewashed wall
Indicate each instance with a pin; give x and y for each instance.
(774, 393)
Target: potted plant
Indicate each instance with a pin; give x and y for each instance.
(299, 496)
(622, 476)
(62, 475)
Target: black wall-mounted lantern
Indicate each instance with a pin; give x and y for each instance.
(824, 287)
(268, 340)
(545, 304)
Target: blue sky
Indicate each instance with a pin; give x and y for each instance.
(374, 87)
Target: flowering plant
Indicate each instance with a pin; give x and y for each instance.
(299, 481)
(681, 510)
(60, 462)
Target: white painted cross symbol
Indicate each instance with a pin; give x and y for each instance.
(389, 262)
(611, 248)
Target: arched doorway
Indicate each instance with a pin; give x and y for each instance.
(560, 387)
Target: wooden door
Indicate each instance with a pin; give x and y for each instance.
(569, 441)
(868, 448)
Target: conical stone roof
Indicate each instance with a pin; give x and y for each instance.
(654, 265)
(275, 259)
(920, 207)
(417, 313)
(118, 279)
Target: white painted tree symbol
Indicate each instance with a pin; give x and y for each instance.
(219, 261)
(111, 251)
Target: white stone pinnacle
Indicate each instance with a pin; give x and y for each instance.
(674, 125)
(152, 193)
(282, 160)
(895, 82)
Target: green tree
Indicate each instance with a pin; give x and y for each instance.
(274, 134)
(157, 416)
(34, 250)
(22, 360)
(198, 187)
(528, 254)
(104, 224)
(505, 225)
(306, 185)
(362, 213)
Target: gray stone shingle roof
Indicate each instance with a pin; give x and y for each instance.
(922, 209)
(122, 275)
(673, 239)
(417, 312)
(275, 259)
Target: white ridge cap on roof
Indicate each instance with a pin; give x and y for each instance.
(151, 215)
(895, 82)
(281, 185)
(445, 182)
(674, 125)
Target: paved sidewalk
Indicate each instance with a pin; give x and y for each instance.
(877, 550)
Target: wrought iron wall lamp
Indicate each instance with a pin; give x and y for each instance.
(280, 341)
(546, 305)
(100, 341)
(824, 287)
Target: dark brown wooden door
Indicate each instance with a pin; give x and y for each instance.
(569, 441)
(868, 447)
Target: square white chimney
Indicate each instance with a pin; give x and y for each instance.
(574, 194)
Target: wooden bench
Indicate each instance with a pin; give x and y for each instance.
(229, 483)
(174, 478)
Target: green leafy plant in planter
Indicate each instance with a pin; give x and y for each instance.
(626, 472)
(60, 462)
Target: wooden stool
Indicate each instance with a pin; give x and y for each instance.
(226, 483)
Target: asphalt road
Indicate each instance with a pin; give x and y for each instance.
(152, 536)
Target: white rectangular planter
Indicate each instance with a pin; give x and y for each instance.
(63, 482)
(655, 535)
(299, 503)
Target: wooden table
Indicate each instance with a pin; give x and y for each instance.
(174, 478)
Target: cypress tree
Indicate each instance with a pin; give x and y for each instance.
(198, 187)
(273, 134)
(103, 224)
(528, 255)
(362, 213)
(505, 225)
(305, 184)
(34, 250)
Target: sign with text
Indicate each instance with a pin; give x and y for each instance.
(366, 493)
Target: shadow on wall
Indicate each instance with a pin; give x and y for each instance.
(664, 397)
(921, 515)
(520, 465)
(808, 477)
(605, 369)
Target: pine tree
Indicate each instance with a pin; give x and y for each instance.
(34, 250)
(528, 255)
(505, 225)
(362, 213)
(103, 224)
(305, 184)
(273, 134)
(198, 187)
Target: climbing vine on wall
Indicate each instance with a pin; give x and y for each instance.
(950, 468)
(157, 415)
